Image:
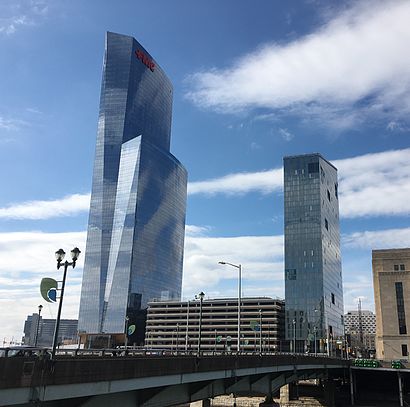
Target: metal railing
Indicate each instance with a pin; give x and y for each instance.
(138, 352)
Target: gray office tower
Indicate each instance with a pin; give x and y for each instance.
(136, 224)
(313, 272)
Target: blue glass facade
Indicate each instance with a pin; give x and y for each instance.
(136, 224)
(313, 272)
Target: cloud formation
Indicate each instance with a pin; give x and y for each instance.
(360, 55)
(378, 239)
(67, 206)
(370, 185)
(29, 256)
(375, 184)
(233, 184)
(10, 124)
(20, 13)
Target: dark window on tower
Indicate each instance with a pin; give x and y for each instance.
(402, 268)
(328, 195)
(326, 224)
(396, 267)
(333, 298)
(313, 167)
(404, 351)
(336, 190)
(400, 308)
(290, 274)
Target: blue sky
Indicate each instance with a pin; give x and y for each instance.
(253, 81)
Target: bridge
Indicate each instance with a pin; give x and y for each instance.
(148, 380)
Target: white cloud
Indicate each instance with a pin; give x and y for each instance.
(370, 185)
(67, 206)
(261, 256)
(10, 124)
(378, 239)
(374, 184)
(358, 286)
(193, 230)
(263, 181)
(16, 14)
(29, 256)
(286, 134)
(33, 252)
(361, 54)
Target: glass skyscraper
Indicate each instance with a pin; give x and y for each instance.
(313, 271)
(136, 224)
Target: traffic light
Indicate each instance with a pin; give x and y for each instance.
(396, 364)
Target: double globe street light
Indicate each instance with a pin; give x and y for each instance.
(60, 254)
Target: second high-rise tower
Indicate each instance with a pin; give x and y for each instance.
(313, 272)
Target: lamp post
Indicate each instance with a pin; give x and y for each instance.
(294, 335)
(327, 335)
(315, 330)
(177, 337)
(201, 296)
(187, 325)
(260, 331)
(75, 253)
(127, 320)
(239, 267)
(40, 307)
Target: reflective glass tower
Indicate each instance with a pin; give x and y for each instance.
(313, 272)
(136, 224)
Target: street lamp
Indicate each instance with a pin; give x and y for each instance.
(294, 335)
(127, 319)
(315, 330)
(327, 335)
(260, 331)
(177, 337)
(75, 253)
(201, 296)
(40, 307)
(239, 267)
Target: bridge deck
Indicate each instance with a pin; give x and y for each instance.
(20, 372)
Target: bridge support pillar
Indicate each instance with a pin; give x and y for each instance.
(400, 388)
(352, 386)
(201, 403)
(284, 394)
(329, 392)
(289, 392)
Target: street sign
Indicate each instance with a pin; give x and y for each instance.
(48, 289)
(255, 326)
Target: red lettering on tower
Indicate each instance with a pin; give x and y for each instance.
(145, 59)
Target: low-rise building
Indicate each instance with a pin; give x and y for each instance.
(360, 329)
(391, 282)
(182, 325)
(67, 331)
